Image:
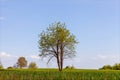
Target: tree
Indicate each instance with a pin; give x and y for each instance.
(58, 42)
(106, 67)
(9, 67)
(32, 65)
(69, 67)
(22, 62)
(116, 66)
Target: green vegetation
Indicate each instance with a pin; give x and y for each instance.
(109, 67)
(69, 67)
(54, 74)
(32, 65)
(1, 67)
(57, 42)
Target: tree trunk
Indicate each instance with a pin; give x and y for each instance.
(58, 57)
(58, 62)
(61, 57)
(61, 62)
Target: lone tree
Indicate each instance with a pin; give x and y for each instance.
(32, 65)
(22, 62)
(58, 42)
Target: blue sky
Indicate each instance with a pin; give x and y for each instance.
(95, 23)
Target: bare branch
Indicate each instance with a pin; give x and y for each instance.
(50, 59)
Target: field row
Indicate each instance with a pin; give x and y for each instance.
(52, 74)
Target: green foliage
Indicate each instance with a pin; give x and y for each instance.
(53, 74)
(114, 67)
(1, 67)
(32, 65)
(56, 34)
(58, 42)
(72, 67)
(69, 67)
(9, 67)
(106, 67)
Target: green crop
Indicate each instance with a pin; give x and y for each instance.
(54, 74)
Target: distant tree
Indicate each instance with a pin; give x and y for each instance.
(16, 66)
(69, 67)
(9, 67)
(116, 66)
(32, 65)
(105, 67)
(58, 42)
(22, 62)
(72, 67)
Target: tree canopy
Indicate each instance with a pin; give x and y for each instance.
(22, 62)
(32, 65)
(58, 42)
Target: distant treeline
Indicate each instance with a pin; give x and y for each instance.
(109, 67)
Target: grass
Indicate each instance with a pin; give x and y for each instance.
(54, 74)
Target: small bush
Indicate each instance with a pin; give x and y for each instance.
(10, 67)
(69, 67)
(109, 67)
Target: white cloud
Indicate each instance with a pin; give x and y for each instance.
(105, 59)
(93, 62)
(3, 54)
(6, 55)
(83, 61)
(7, 59)
(34, 57)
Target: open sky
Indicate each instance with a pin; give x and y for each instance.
(95, 23)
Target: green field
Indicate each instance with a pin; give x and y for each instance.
(54, 74)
